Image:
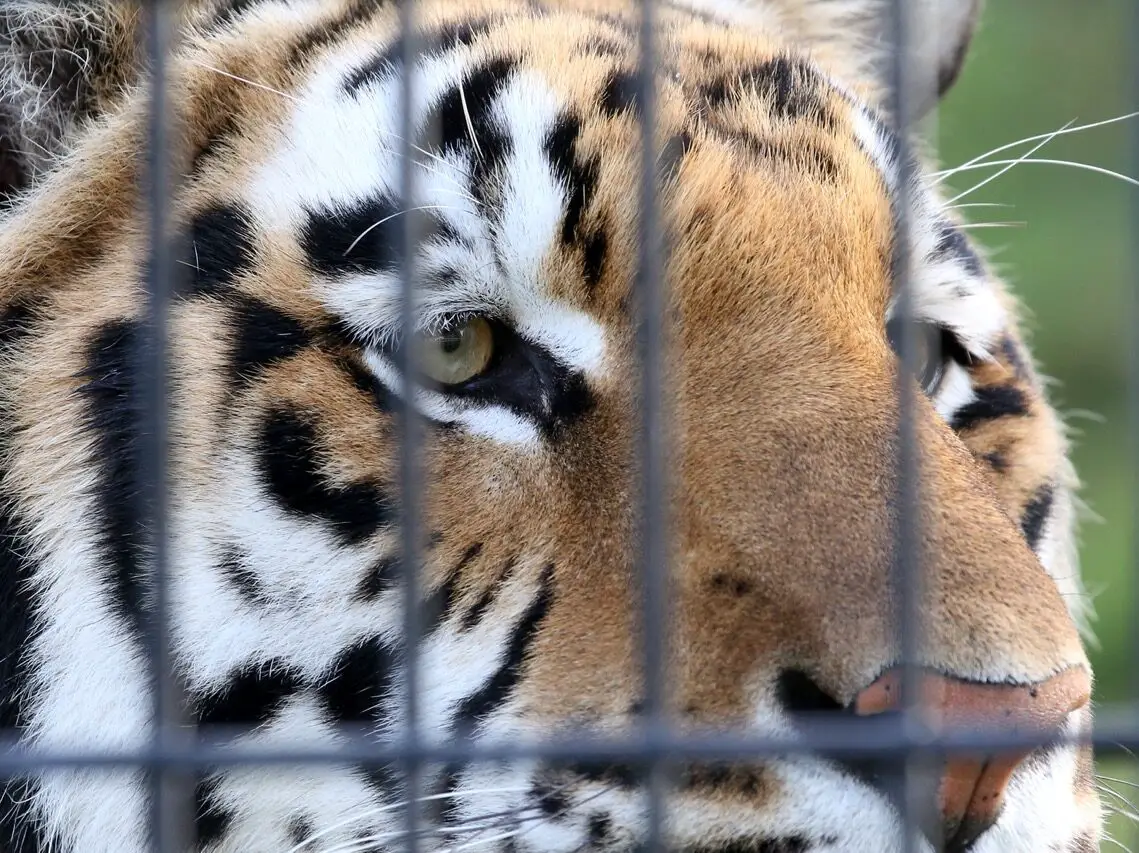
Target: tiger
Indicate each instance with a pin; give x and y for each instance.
(791, 199)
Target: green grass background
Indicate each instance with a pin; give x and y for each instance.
(1035, 65)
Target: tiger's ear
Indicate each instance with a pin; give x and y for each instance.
(62, 62)
(941, 32)
(856, 36)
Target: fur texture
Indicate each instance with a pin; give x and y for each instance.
(779, 188)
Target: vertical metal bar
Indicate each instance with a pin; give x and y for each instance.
(1133, 376)
(409, 471)
(652, 447)
(169, 815)
(907, 558)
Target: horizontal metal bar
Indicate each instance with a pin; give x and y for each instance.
(865, 739)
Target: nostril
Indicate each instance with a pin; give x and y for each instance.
(798, 693)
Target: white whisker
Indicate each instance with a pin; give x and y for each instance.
(1063, 131)
(540, 818)
(1116, 780)
(467, 116)
(380, 222)
(970, 226)
(246, 80)
(992, 178)
(975, 204)
(363, 843)
(1127, 179)
(378, 810)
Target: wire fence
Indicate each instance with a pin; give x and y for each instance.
(177, 750)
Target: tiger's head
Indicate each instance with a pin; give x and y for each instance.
(779, 175)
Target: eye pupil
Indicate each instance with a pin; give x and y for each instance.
(459, 353)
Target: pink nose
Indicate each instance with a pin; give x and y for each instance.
(972, 788)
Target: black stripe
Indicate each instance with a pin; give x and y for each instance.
(364, 238)
(20, 832)
(381, 577)
(441, 602)
(502, 683)
(113, 410)
(579, 179)
(479, 89)
(263, 336)
(18, 620)
(322, 35)
(298, 829)
(17, 321)
(333, 244)
(785, 844)
(448, 37)
(251, 696)
(221, 248)
(288, 454)
(446, 809)
(621, 94)
(229, 11)
(612, 773)
(805, 156)
(19, 623)
(952, 244)
(992, 402)
(495, 146)
(594, 247)
(366, 382)
(672, 155)
(243, 579)
(438, 605)
(480, 607)
(997, 461)
(354, 690)
(603, 45)
(1014, 357)
(791, 87)
(218, 143)
(1036, 514)
(211, 819)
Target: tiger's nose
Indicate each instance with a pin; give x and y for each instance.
(971, 788)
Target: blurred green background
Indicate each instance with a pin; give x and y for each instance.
(1035, 65)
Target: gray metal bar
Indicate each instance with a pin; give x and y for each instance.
(409, 471)
(907, 576)
(652, 444)
(171, 801)
(1133, 374)
(858, 738)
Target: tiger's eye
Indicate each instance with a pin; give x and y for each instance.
(929, 352)
(458, 354)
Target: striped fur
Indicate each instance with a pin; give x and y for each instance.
(779, 188)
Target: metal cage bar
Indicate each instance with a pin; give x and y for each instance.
(652, 452)
(907, 569)
(1133, 370)
(833, 739)
(171, 819)
(410, 478)
(172, 756)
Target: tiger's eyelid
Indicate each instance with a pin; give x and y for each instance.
(388, 339)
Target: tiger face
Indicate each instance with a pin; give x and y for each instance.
(778, 176)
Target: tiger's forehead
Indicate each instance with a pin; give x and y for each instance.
(528, 169)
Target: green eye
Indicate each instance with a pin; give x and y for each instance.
(458, 354)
